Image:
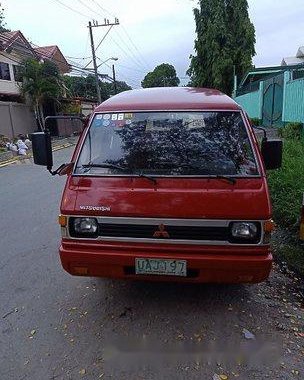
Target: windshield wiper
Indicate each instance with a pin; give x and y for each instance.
(104, 165)
(231, 180)
(120, 168)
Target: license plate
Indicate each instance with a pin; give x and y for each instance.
(161, 267)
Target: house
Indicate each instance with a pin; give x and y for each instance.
(53, 53)
(14, 48)
(16, 116)
(297, 60)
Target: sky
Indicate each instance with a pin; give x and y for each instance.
(150, 32)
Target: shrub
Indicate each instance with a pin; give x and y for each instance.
(291, 131)
(287, 185)
(256, 121)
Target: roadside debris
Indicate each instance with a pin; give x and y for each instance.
(248, 334)
(10, 312)
(219, 377)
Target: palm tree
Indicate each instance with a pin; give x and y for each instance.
(41, 81)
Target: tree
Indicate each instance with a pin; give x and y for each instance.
(163, 75)
(224, 44)
(85, 87)
(2, 21)
(41, 81)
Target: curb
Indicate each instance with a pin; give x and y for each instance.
(13, 160)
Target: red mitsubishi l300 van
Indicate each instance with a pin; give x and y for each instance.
(168, 184)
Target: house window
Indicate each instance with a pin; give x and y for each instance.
(4, 71)
(17, 73)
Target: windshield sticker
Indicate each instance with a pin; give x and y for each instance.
(107, 117)
(98, 117)
(121, 123)
(114, 116)
(128, 115)
(97, 123)
(106, 123)
(120, 116)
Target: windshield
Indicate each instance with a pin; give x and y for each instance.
(167, 143)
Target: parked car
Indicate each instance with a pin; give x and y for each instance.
(167, 184)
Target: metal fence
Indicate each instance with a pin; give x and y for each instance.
(287, 104)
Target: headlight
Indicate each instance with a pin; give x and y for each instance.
(83, 227)
(246, 231)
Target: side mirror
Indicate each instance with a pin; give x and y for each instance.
(272, 152)
(42, 149)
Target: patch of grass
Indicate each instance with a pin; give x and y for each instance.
(287, 185)
(256, 121)
(293, 255)
(286, 191)
(291, 131)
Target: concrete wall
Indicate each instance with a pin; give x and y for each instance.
(16, 118)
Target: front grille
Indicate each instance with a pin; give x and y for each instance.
(175, 232)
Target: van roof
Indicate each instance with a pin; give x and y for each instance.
(168, 98)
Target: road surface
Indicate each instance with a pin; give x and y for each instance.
(55, 326)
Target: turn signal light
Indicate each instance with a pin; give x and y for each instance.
(62, 220)
(81, 271)
(269, 226)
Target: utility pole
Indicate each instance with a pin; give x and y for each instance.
(114, 80)
(96, 25)
(94, 63)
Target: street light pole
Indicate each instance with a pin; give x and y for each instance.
(109, 59)
(114, 80)
(94, 63)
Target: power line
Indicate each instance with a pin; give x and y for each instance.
(85, 5)
(126, 53)
(72, 9)
(126, 79)
(130, 50)
(131, 68)
(103, 9)
(135, 47)
(123, 28)
(101, 41)
(136, 60)
(96, 25)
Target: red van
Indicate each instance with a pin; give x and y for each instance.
(167, 184)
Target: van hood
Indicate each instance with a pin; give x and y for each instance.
(169, 198)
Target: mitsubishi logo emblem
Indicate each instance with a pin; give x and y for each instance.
(161, 232)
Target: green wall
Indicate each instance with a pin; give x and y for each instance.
(251, 103)
(294, 101)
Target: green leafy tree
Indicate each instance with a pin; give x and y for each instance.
(2, 21)
(225, 43)
(41, 81)
(85, 87)
(163, 75)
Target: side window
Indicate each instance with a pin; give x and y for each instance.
(4, 71)
(17, 73)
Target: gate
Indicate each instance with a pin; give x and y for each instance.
(273, 101)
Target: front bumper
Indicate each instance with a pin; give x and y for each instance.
(205, 264)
